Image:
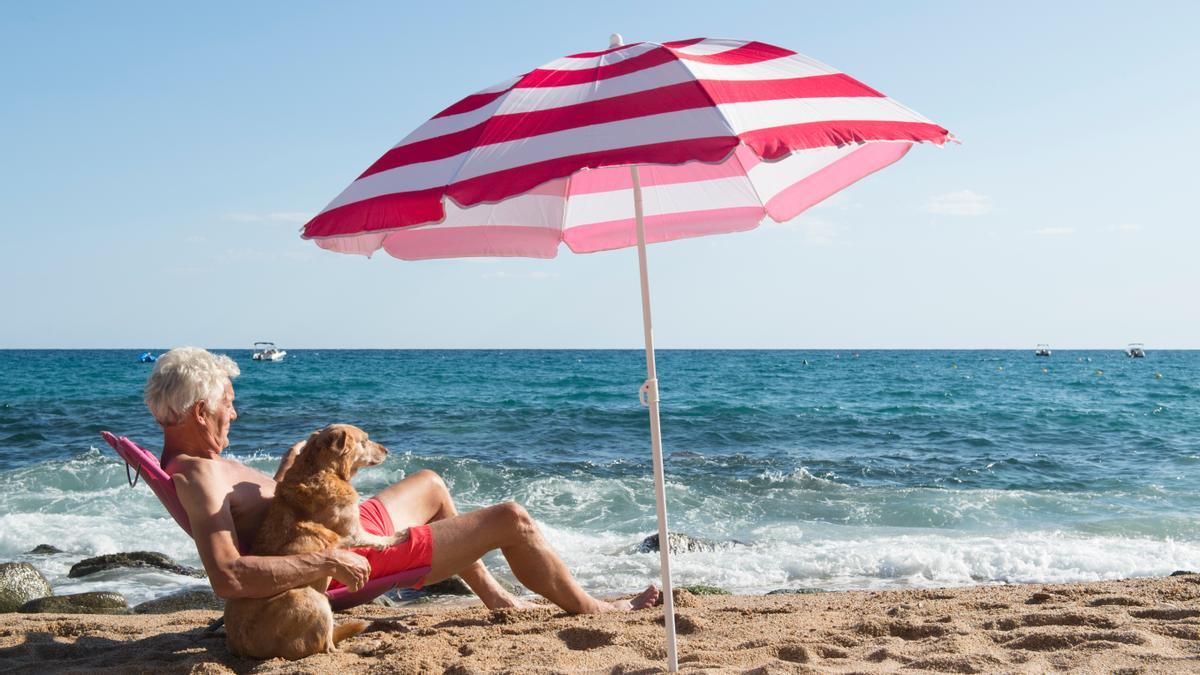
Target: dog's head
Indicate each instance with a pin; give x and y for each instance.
(343, 449)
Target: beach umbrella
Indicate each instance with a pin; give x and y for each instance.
(640, 143)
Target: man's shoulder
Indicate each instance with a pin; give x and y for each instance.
(190, 468)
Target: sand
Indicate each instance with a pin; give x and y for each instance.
(1129, 626)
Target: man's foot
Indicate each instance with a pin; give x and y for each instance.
(506, 600)
(646, 598)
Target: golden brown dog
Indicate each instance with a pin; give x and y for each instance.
(315, 508)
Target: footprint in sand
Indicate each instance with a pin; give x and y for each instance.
(1052, 619)
(794, 653)
(905, 630)
(586, 638)
(1165, 613)
(959, 663)
(1052, 642)
(684, 625)
(1186, 631)
(1116, 600)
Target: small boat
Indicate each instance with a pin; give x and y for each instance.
(147, 357)
(1042, 350)
(266, 351)
(1135, 350)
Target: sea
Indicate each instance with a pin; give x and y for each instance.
(804, 469)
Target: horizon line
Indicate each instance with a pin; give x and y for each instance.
(638, 349)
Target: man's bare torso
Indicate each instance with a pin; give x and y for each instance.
(248, 492)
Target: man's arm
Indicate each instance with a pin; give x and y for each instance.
(289, 458)
(234, 575)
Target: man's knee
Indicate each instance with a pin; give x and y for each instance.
(514, 518)
(431, 480)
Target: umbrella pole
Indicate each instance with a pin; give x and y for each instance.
(649, 397)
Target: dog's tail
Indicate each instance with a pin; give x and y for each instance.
(348, 629)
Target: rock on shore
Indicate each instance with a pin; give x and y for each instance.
(98, 602)
(144, 559)
(19, 583)
(192, 598)
(678, 543)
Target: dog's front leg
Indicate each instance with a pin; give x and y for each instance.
(363, 539)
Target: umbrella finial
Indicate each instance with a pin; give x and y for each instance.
(615, 40)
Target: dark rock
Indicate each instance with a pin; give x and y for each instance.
(683, 543)
(796, 591)
(100, 602)
(135, 559)
(20, 583)
(1181, 573)
(193, 598)
(451, 586)
(705, 590)
(1039, 599)
(45, 549)
(385, 601)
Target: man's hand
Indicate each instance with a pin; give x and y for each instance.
(289, 458)
(349, 568)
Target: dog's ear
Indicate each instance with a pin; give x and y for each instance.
(343, 443)
(341, 440)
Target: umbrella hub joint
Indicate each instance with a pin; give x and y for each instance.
(648, 392)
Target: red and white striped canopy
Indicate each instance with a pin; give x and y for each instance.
(725, 133)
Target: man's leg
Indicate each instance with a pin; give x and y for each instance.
(459, 542)
(423, 498)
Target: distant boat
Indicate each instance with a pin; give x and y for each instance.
(147, 357)
(266, 351)
(1135, 350)
(1042, 350)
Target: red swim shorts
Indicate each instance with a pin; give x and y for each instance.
(416, 551)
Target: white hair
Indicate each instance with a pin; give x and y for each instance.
(184, 376)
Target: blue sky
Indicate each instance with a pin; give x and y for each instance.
(157, 162)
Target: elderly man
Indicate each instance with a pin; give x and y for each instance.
(190, 394)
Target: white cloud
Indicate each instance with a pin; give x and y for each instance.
(255, 256)
(1126, 227)
(273, 217)
(839, 201)
(960, 203)
(194, 239)
(816, 231)
(819, 232)
(1055, 232)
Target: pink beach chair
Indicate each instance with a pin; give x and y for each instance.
(146, 466)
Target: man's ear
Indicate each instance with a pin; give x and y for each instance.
(197, 412)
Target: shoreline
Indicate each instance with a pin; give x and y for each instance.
(1132, 625)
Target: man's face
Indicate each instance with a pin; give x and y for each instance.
(220, 418)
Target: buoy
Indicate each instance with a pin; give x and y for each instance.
(954, 366)
(999, 368)
(1158, 376)
(1099, 373)
(1045, 370)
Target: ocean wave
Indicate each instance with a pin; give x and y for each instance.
(853, 558)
